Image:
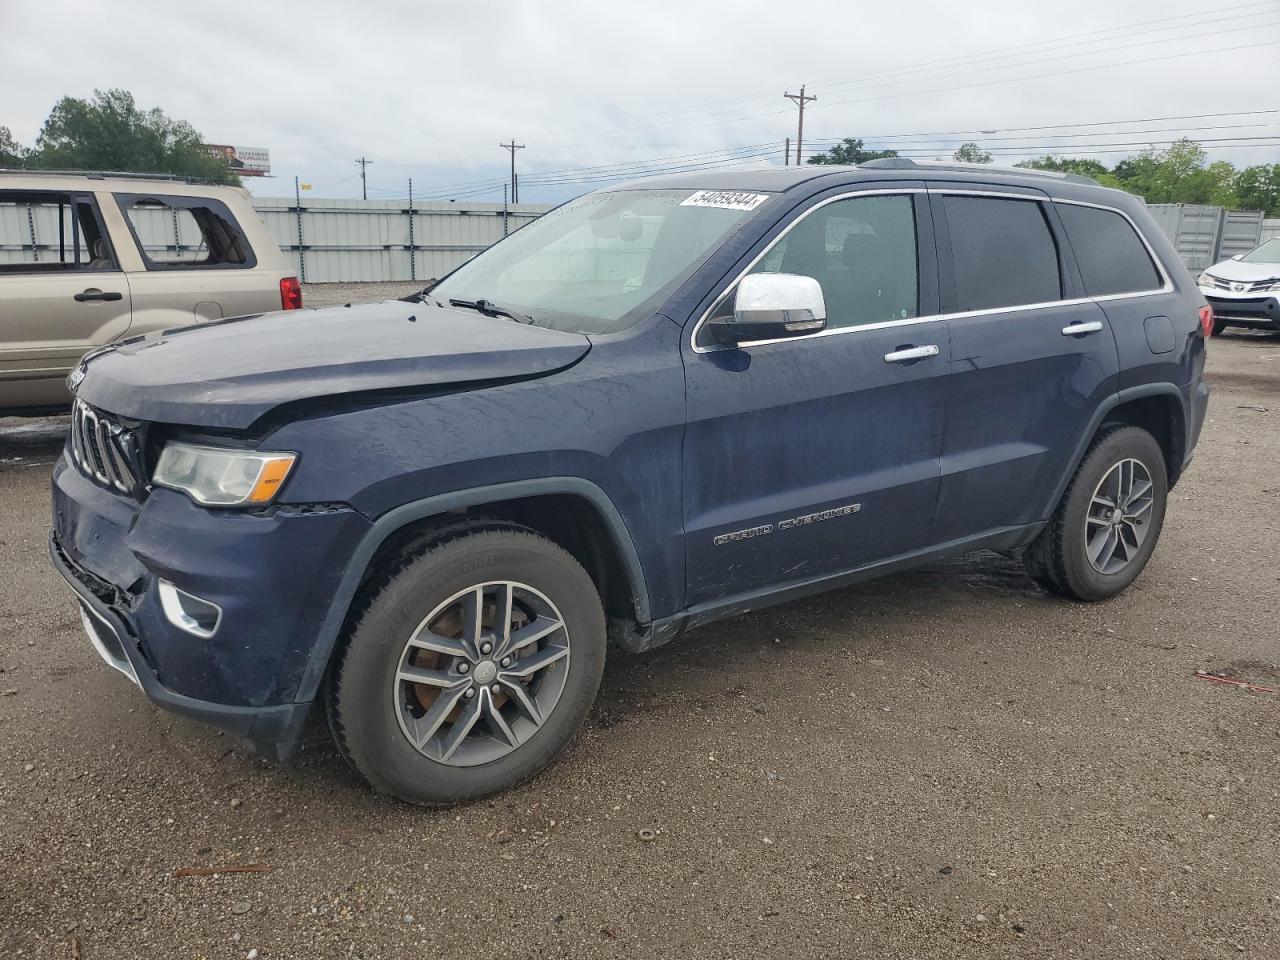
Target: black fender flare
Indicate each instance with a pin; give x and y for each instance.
(393, 520)
(1100, 415)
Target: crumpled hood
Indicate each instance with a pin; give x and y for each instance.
(1249, 272)
(231, 372)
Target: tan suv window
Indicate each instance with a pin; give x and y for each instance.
(184, 233)
(60, 232)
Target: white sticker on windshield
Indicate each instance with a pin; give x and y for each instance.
(725, 199)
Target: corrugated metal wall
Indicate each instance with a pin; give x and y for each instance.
(1194, 230)
(341, 240)
(349, 240)
(1205, 235)
(1241, 232)
(1270, 229)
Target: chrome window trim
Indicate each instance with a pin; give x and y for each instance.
(1037, 197)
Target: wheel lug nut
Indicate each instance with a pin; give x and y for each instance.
(486, 648)
(464, 667)
(506, 661)
(471, 692)
(495, 689)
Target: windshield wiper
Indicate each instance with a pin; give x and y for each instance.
(489, 308)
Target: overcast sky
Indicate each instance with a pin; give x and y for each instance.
(427, 90)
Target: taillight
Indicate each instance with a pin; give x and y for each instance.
(1206, 320)
(290, 294)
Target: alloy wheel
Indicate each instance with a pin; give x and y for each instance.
(1118, 519)
(481, 673)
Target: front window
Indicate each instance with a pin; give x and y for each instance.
(1268, 252)
(599, 263)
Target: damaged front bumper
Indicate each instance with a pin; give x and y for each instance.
(270, 576)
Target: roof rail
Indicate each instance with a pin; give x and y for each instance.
(112, 175)
(905, 163)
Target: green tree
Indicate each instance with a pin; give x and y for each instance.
(1078, 165)
(849, 151)
(110, 132)
(1178, 174)
(971, 153)
(12, 153)
(1258, 188)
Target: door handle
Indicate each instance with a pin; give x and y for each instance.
(92, 294)
(1075, 329)
(911, 354)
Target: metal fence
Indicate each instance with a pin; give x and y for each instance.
(354, 240)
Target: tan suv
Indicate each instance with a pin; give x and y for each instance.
(86, 259)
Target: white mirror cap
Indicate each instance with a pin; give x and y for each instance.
(782, 292)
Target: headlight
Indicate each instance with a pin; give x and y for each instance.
(1204, 280)
(222, 477)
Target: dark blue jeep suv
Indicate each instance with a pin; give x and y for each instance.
(661, 404)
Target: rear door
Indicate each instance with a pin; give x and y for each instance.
(62, 292)
(198, 264)
(1032, 358)
(813, 455)
(1156, 329)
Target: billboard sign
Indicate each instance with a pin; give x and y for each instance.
(245, 161)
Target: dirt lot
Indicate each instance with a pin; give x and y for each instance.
(946, 763)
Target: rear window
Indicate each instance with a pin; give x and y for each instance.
(1003, 251)
(185, 233)
(1111, 256)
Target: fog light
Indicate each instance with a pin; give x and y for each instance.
(186, 612)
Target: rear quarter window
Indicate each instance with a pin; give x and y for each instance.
(186, 233)
(1111, 256)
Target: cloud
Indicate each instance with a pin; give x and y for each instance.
(428, 89)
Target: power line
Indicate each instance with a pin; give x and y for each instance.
(1165, 24)
(1061, 126)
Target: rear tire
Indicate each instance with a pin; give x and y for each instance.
(429, 613)
(1109, 520)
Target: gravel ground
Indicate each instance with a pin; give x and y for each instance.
(330, 294)
(944, 763)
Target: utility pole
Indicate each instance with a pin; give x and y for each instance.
(515, 185)
(799, 99)
(786, 154)
(364, 191)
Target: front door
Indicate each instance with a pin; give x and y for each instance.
(810, 456)
(61, 293)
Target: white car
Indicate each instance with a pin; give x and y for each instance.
(1243, 291)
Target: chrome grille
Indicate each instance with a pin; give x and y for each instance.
(1239, 286)
(103, 449)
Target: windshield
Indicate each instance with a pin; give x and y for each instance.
(596, 264)
(1268, 252)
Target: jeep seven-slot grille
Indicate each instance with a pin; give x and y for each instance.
(103, 449)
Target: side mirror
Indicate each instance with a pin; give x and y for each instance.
(1238, 256)
(769, 306)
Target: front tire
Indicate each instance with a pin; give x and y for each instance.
(1218, 327)
(473, 658)
(1105, 528)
